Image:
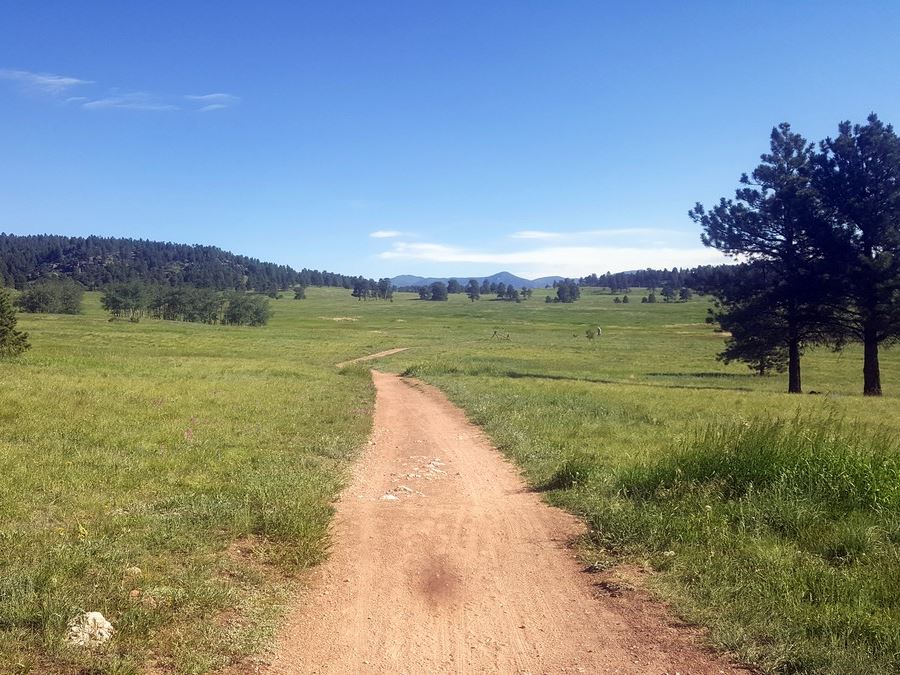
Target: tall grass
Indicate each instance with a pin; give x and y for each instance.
(783, 536)
(823, 460)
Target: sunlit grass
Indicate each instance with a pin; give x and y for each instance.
(208, 457)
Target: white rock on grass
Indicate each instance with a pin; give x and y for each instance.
(90, 629)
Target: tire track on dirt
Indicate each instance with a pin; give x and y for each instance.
(443, 562)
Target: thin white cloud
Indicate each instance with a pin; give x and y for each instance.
(586, 234)
(48, 83)
(217, 101)
(563, 260)
(136, 100)
(385, 234)
(100, 98)
(535, 234)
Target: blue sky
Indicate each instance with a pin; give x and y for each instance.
(419, 137)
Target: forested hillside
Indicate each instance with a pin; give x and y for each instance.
(702, 278)
(98, 261)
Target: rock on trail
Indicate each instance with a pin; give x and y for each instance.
(464, 570)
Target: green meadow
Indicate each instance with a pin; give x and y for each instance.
(208, 456)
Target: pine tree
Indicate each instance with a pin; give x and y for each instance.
(12, 341)
(857, 176)
(774, 222)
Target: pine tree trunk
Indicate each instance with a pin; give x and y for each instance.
(871, 369)
(794, 386)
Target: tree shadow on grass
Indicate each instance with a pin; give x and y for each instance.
(632, 383)
(711, 374)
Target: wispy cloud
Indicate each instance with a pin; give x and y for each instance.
(48, 83)
(589, 234)
(385, 234)
(564, 260)
(135, 100)
(535, 234)
(217, 101)
(105, 98)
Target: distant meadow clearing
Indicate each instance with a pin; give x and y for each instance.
(176, 477)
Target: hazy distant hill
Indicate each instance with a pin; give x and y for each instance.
(409, 280)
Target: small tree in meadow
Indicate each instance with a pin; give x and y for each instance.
(473, 290)
(244, 309)
(12, 341)
(438, 290)
(568, 291)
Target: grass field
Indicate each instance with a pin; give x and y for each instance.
(207, 457)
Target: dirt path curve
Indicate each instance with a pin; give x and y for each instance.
(442, 562)
(370, 357)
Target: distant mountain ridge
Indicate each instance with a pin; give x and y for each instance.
(410, 280)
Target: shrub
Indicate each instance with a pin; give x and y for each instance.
(244, 309)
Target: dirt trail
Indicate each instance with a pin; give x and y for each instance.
(370, 357)
(444, 563)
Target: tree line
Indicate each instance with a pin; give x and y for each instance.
(51, 296)
(696, 278)
(566, 291)
(818, 228)
(135, 300)
(95, 262)
(438, 290)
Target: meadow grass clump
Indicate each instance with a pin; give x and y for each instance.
(822, 460)
(783, 536)
(575, 470)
